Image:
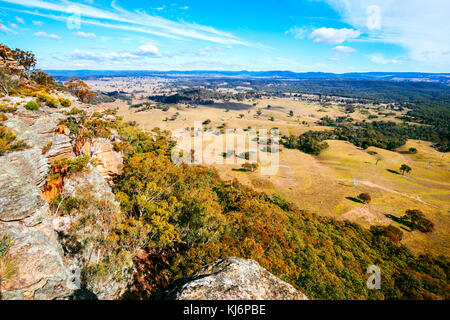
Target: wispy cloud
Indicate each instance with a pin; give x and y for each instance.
(137, 21)
(20, 20)
(88, 35)
(421, 27)
(5, 29)
(133, 56)
(38, 23)
(298, 32)
(379, 58)
(47, 35)
(341, 52)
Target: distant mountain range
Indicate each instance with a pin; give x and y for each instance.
(393, 76)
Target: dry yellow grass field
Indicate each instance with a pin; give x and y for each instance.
(324, 184)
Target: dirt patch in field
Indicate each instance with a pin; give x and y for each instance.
(366, 215)
(374, 185)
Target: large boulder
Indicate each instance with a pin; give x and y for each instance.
(42, 273)
(232, 279)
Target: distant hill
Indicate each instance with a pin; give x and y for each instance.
(395, 76)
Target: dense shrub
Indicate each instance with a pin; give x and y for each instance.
(32, 105)
(64, 102)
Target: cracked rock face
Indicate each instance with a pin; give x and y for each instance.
(232, 279)
(110, 160)
(20, 175)
(44, 268)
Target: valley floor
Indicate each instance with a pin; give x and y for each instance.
(329, 183)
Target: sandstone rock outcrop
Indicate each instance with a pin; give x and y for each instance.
(232, 279)
(46, 262)
(110, 161)
(7, 59)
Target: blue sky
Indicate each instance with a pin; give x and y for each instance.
(298, 35)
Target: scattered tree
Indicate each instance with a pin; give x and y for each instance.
(405, 168)
(416, 220)
(365, 198)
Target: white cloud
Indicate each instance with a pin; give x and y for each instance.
(47, 35)
(379, 58)
(20, 20)
(85, 35)
(420, 26)
(139, 55)
(343, 49)
(103, 57)
(184, 8)
(333, 36)
(148, 49)
(299, 33)
(136, 20)
(341, 52)
(38, 23)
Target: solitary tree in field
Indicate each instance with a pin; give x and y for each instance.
(405, 168)
(378, 160)
(412, 150)
(365, 198)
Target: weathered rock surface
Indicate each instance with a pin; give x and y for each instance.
(232, 279)
(47, 268)
(110, 160)
(42, 272)
(61, 148)
(21, 174)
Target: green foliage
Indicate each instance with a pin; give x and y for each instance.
(66, 205)
(8, 266)
(44, 97)
(380, 134)
(416, 220)
(47, 147)
(7, 109)
(309, 142)
(64, 102)
(68, 166)
(43, 79)
(8, 141)
(32, 105)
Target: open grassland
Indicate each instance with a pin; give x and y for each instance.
(329, 183)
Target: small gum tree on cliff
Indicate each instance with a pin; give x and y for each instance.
(81, 90)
